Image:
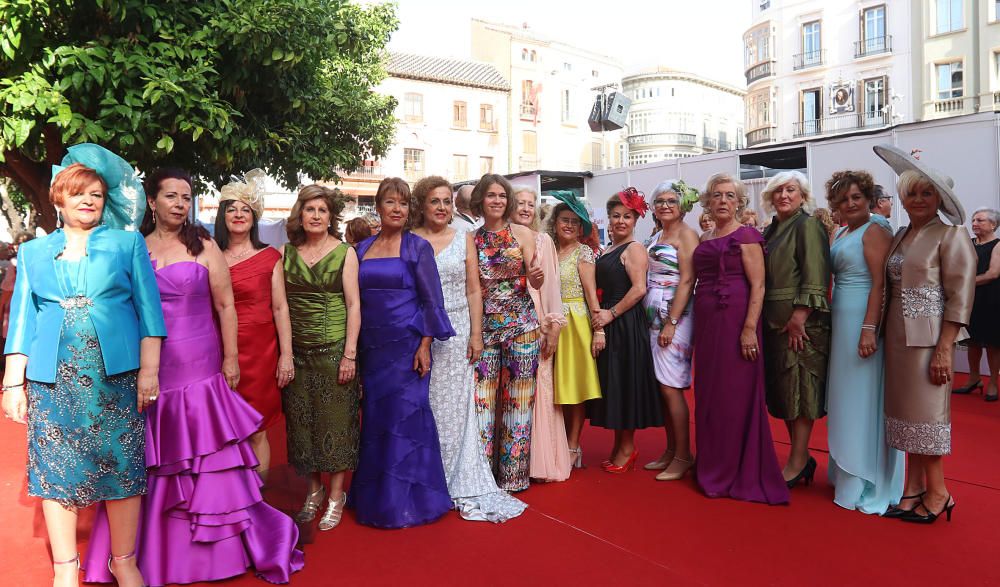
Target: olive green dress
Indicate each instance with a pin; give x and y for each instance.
(797, 273)
(321, 416)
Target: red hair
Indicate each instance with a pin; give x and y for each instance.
(73, 180)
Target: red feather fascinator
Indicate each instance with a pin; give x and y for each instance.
(634, 200)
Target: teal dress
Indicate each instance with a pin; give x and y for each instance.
(86, 439)
(867, 474)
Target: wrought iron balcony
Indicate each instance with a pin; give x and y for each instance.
(709, 143)
(663, 138)
(873, 46)
(839, 123)
(809, 59)
(760, 135)
(760, 71)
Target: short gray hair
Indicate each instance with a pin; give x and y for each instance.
(779, 180)
(741, 191)
(991, 214)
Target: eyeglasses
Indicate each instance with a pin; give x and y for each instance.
(569, 221)
(884, 198)
(667, 203)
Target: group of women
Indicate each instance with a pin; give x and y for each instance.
(481, 352)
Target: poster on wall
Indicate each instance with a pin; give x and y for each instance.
(841, 97)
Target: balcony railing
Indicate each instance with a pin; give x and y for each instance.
(528, 111)
(949, 106)
(996, 100)
(725, 146)
(839, 123)
(809, 59)
(363, 171)
(760, 71)
(873, 46)
(663, 138)
(709, 143)
(761, 135)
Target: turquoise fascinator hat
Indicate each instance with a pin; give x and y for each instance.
(126, 200)
(576, 205)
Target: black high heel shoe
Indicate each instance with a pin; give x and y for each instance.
(931, 517)
(805, 475)
(965, 389)
(896, 512)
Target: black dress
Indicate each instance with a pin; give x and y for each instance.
(984, 324)
(631, 396)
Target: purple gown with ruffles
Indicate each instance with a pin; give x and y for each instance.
(732, 435)
(400, 479)
(203, 518)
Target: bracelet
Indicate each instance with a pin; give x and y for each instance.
(9, 387)
(355, 358)
(868, 327)
(596, 332)
(614, 312)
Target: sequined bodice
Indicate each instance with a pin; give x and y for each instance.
(451, 268)
(894, 271)
(569, 273)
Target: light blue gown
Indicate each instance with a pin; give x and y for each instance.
(866, 473)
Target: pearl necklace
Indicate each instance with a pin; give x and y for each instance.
(237, 257)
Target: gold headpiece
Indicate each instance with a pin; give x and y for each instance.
(250, 191)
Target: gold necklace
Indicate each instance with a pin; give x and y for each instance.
(315, 258)
(237, 257)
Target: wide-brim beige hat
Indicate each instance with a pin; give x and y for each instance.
(900, 161)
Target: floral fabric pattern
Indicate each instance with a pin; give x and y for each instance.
(507, 307)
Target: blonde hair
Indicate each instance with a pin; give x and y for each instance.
(536, 223)
(741, 192)
(779, 180)
(912, 179)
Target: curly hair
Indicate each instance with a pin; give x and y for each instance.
(421, 190)
(720, 178)
(334, 200)
(536, 221)
(826, 218)
(840, 183)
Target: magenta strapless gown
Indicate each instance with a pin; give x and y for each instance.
(203, 518)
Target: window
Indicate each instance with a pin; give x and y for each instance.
(595, 156)
(460, 166)
(595, 73)
(567, 66)
(996, 10)
(529, 142)
(811, 49)
(812, 111)
(413, 107)
(486, 117)
(485, 165)
(949, 16)
(873, 30)
(534, 56)
(525, 56)
(413, 163)
(949, 80)
(459, 119)
(739, 138)
(875, 104)
(566, 116)
(757, 46)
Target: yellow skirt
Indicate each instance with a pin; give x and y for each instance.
(575, 374)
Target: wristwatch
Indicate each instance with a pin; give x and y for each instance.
(673, 321)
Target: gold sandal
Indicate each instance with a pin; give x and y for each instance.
(334, 513)
(311, 506)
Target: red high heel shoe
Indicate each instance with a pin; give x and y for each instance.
(624, 467)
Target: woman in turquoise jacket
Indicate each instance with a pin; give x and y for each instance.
(83, 355)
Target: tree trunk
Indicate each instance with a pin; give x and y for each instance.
(33, 179)
(10, 212)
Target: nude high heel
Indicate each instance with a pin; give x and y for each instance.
(311, 506)
(334, 513)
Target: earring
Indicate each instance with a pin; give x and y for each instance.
(59, 219)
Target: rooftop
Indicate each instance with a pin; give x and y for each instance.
(669, 73)
(447, 71)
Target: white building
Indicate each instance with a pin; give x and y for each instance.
(677, 114)
(452, 118)
(815, 67)
(552, 92)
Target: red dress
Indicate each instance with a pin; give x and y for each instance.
(257, 338)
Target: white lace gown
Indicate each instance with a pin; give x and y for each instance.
(452, 387)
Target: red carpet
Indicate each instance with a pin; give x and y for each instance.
(599, 529)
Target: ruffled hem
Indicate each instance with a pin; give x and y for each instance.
(432, 321)
(497, 507)
(815, 301)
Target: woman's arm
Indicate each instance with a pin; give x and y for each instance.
(958, 280)
(993, 271)
(588, 281)
(636, 264)
(352, 299)
(15, 403)
(753, 267)
(685, 261)
(474, 294)
(875, 243)
(532, 265)
(812, 255)
(225, 307)
(283, 324)
(551, 318)
(148, 379)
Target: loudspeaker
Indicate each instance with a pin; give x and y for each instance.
(596, 114)
(616, 114)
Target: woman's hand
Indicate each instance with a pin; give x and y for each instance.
(348, 369)
(941, 368)
(748, 344)
(422, 359)
(231, 371)
(148, 387)
(796, 329)
(475, 349)
(286, 370)
(536, 275)
(666, 335)
(867, 344)
(601, 318)
(598, 344)
(15, 404)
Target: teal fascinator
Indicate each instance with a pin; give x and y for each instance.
(126, 200)
(569, 198)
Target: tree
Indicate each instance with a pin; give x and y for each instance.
(14, 206)
(214, 86)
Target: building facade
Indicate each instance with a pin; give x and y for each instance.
(677, 115)
(551, 95)
(817, 68)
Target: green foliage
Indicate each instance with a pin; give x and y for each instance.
(216, 86)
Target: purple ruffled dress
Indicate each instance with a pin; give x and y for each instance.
(735, 452)
(400, 478)
(203, 518)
